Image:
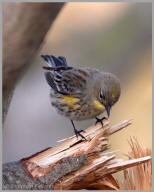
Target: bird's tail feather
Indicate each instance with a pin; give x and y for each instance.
(53, 61)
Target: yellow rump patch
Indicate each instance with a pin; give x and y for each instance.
(70, 100)
(98, 105)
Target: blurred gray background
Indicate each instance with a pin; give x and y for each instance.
(113, 37)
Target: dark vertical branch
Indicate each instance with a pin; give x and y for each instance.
(24, 28)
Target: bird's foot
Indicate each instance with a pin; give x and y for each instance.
(100, 120)
(78, 133)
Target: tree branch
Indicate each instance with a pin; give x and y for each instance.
(73, 164)
(24, 28)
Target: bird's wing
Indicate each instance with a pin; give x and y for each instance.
(67, 82)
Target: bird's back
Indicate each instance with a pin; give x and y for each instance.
(71, 88)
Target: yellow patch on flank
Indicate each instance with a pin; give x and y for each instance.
(98, 105)
(70, 100)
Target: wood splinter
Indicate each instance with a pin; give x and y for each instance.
(94, 169)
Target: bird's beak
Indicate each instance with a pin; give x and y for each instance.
(108, 110)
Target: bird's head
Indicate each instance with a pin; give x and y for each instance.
(109, 91)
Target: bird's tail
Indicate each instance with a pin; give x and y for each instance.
(55, 62)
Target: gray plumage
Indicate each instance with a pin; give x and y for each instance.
(87, 88)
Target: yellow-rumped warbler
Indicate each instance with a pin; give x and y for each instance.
(80, 93)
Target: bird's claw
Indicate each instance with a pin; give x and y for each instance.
(100, 120)
(78, 133)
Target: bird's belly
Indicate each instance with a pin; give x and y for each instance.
(76, 112)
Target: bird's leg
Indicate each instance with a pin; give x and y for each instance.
(77, 133)
(100, 120)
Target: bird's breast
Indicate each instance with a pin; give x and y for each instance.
(76, 108)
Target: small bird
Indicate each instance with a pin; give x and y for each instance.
(80, 93)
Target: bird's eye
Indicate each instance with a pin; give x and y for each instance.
(102, 96)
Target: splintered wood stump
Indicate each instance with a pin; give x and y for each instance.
(80, 164)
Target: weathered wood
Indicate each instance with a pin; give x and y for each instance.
(97, 139)
(72, 164)
(15, 176)
(93, 172)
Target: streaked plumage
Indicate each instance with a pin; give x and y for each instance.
(80, 93)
